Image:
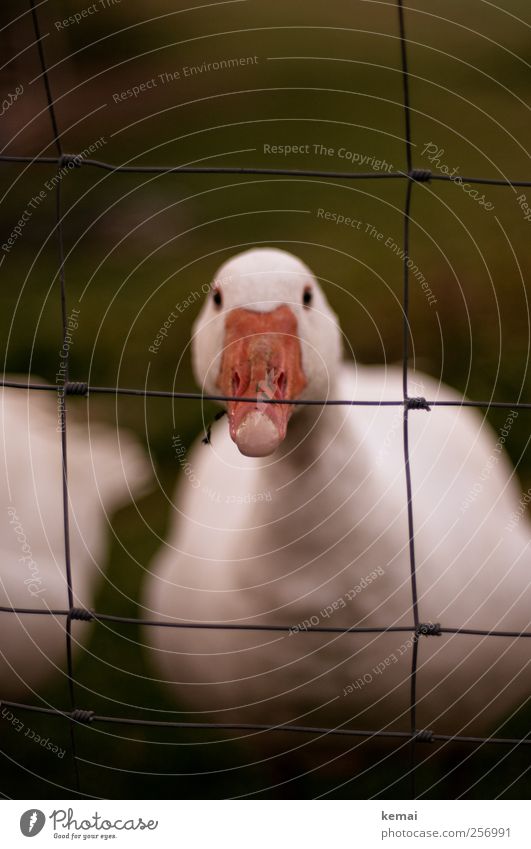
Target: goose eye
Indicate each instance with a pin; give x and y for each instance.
(307, 296)
(216, 297)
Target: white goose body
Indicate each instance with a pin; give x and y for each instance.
(317, 535)
(106, 468)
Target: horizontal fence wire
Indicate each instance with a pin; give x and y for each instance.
(77, 716)
(421, 176)
(415, 403)
(88, 717)
(421, 629)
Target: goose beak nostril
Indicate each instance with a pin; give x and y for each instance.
(236, 382)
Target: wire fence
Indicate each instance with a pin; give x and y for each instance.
(81, 716)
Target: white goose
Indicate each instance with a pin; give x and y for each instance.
(306, 524)
(106, 468)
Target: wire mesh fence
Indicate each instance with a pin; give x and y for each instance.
(77, 715)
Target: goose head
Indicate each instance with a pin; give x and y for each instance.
(265, 331)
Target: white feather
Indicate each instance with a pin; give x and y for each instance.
(291, 538)
(106, 468)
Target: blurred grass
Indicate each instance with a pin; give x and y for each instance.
(138, 245)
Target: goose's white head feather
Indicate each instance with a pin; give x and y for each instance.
(266, 330)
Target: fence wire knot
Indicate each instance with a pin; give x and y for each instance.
(81, 613)
(208, 432)
(70, 159)
(84, 716)
(423, 736)
(428, 629)
(417, 404)
(419, 175)
(76, 388)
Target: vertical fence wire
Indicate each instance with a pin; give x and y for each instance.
(406, 330)
(61, 390)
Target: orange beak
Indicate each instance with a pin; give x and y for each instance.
(261, 359)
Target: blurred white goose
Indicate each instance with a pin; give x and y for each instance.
(106, 469)
(305, 524)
